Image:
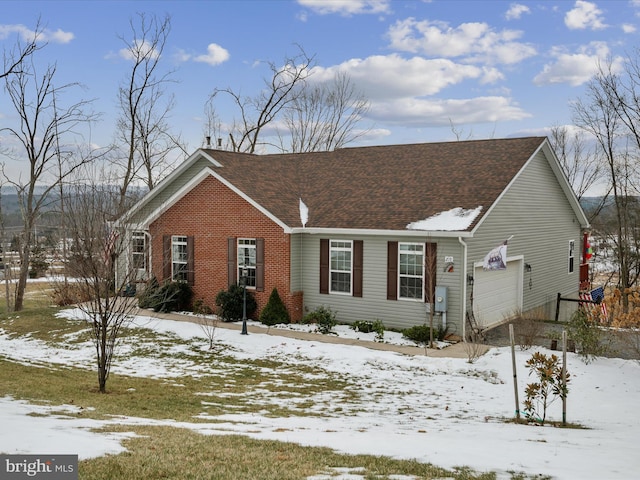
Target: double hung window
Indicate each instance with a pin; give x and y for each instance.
(179, 258)
(139, 250)
(341, 266)
(247, 260)
(411, 271)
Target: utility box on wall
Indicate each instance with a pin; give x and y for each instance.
(440, 304)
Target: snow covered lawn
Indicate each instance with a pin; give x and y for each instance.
(444, 411)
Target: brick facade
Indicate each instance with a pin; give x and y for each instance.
(211, 213)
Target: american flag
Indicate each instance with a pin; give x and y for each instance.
(596, 295)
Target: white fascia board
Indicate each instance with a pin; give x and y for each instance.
(377, 232)
(196, 180)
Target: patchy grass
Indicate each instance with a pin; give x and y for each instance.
(218, 383)
(173, 453)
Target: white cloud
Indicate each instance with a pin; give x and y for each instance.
(628, 28)
(181, 56)
(584, 15)
(474, 41)
(27, 35)
(347, 7)
(576, 68)
(516, 11)
(392, 76)
(143, 49)
(415, 112)
(215, 55)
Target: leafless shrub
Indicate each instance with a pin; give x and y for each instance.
(65, 293)
(473, 342)
(207, 320)
(529, 326)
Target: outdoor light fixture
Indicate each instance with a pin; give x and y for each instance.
(470, 280)
(243, 281)
(527, 267)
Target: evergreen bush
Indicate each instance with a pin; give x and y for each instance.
(168, 297)
(323, 317)
(367, 326)
(422, 333)
(275, 311)
(229, 303)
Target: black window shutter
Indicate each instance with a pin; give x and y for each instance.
(191, 272)
(260, 264)
(392, 270)
(232, 258)
(324, 265)
(166, 257)
(430, 272)
(357, 268)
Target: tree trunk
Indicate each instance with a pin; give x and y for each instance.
(25, 258)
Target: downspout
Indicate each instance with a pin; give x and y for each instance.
(464, 287)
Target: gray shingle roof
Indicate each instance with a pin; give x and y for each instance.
(382, 187)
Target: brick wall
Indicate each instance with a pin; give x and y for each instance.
(212, 213)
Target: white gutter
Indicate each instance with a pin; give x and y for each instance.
(464, 289)
(364, 231)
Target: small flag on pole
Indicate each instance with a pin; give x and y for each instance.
(595, 295)
(496, 259)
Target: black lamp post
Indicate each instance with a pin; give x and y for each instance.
(243, 280)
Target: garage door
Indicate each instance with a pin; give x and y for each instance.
(497, 294)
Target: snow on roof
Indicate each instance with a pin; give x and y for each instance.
(452, 220)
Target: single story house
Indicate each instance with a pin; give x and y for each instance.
(376, 232)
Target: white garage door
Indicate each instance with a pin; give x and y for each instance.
(497, 294)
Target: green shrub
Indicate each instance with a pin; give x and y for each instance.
(422, 333)
(147, 298)
(230, 302)
(587, 335)
(323, 317)
(201, 308)
(539, 395)
(367, 326)
(173, 297)
(275, 311)
(168, 297)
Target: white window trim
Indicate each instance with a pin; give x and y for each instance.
(571, 266)
(177, 240)
(350, 272)
(421, 299)
(145, 253)
(248, 267)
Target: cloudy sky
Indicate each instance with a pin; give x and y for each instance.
(432, 70)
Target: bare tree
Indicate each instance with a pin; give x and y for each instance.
(143, 125)
(14, 59)
(281, 88)
(604, 114)
(94, 252)
(324, 117)
(580, 162)
(42, 125)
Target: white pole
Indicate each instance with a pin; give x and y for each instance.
(564, 377)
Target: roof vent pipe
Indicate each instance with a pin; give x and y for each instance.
(208, 141)
(219, 143)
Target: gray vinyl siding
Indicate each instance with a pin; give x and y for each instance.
(536, 212)
(374, 304)
(165, 192)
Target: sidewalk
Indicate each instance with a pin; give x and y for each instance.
(457, 350)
